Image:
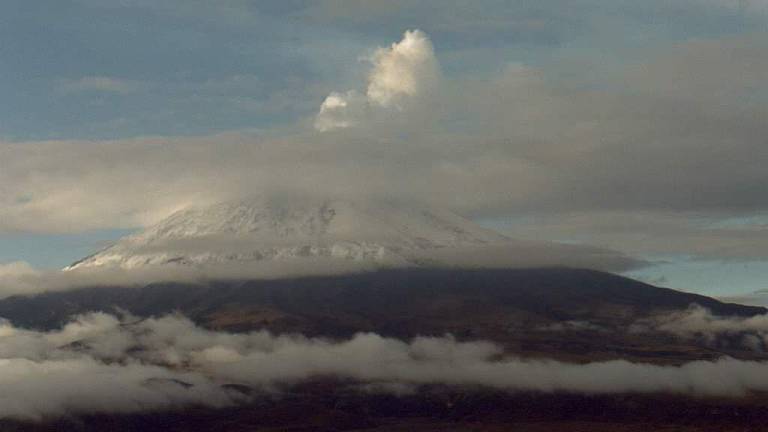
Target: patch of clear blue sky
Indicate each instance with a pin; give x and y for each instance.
(52, 251)
(183, 73)
(181, 59)
(716, 278)
(681, 272)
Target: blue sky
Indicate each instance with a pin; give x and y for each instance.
(46, 250)
(666, 96)
(199, 67)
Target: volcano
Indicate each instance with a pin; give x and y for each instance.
(415, 273)
(357, 235)
(273, 229)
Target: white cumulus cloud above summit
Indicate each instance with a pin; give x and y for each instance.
(407, 68)
(403, 71)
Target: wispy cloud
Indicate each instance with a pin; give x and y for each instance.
(20, 278)
(99, 84)
(698, 323)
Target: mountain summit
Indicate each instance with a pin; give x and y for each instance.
(260, 230)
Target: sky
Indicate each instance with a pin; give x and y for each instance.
(635, 126)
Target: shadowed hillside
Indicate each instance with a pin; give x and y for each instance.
(523, 310)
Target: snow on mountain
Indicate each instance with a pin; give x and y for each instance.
(263, 230)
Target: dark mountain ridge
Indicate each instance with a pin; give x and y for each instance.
(516, 308)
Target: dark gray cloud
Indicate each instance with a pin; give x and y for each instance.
(697, 235)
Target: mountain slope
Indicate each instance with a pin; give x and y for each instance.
(272, 229)
(516, 308)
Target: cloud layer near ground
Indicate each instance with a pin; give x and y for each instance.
(101, 363)
(698, 323)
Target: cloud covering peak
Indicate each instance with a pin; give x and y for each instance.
(588, 160)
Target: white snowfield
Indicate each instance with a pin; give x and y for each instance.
(283, 237)
(261, 230)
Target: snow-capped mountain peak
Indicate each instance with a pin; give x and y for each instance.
(259, 230)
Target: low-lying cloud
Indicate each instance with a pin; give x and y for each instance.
(695, 324)
(102, 363)
(699, 323)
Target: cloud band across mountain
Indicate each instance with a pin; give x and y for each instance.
(101, 363)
